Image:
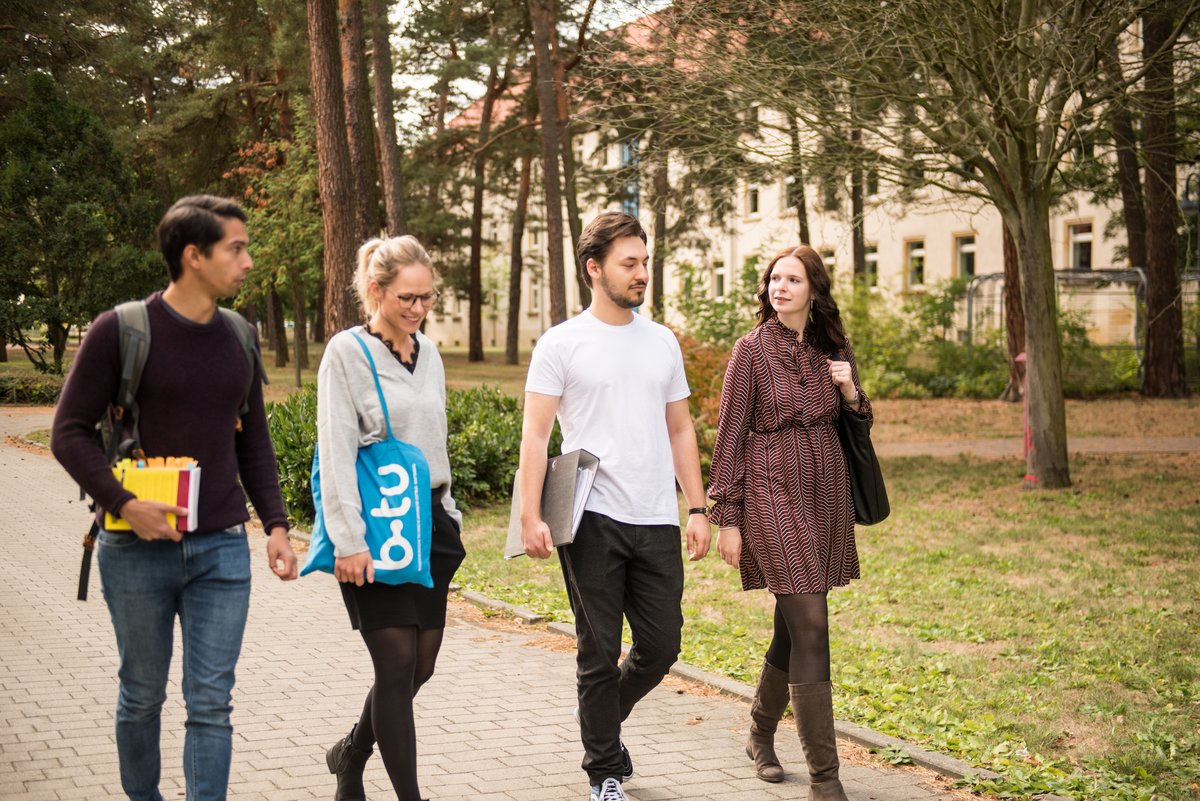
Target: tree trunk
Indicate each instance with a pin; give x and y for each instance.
(1164, 372)
(1128, 172)
(797, 175)
(58, 334)
(300, 331)
(512, 345)
(570, 189)
(1047, 463)
(1014, 319)
(475, 266)
(662, 193)
(272, 326)
(392, 178)
(340, 304)
(318, 326)
(359, 130)
(542, 14)
(3, 347)
(279, 329)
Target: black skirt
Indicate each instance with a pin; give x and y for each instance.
(379, 605)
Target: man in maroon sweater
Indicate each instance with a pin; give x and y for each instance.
(193, 384)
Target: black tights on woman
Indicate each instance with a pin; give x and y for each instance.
(800, 644)
(404, 658)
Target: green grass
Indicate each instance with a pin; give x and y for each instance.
(41, 436)
(1051, 637)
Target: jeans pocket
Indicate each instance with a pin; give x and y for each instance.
(118, 539)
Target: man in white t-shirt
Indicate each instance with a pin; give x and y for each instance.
(616, 382)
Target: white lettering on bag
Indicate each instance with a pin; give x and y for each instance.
(385, 560)
(397, 540)
(384, 509)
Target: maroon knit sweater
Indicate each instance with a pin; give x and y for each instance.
(188, 401)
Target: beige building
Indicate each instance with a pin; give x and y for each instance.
(911, 247)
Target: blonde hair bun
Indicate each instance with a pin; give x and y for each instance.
(380, 260)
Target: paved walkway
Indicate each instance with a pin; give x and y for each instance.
(495, 722)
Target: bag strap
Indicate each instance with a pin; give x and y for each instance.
(379, 389)
(245, 335)
(133, 325)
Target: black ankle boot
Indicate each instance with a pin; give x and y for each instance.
(347, 763)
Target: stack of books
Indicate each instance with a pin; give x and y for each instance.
(169, 479)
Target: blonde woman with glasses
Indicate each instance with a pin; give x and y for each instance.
(401, 624)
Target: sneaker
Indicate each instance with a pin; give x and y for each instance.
(610, 790)
(626, 763)
(626, 760)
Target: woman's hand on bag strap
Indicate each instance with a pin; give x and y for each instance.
(357, 568)
(843, 379)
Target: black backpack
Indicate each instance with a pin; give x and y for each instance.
(117, 431)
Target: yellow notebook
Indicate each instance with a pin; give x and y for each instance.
(174, 480)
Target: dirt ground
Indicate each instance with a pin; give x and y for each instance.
(1129, 416)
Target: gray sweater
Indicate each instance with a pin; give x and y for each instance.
(349, 416)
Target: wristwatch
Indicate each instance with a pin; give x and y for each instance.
(698, 510)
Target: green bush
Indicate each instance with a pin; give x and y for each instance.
(33, 390)
(293, 426)
(484, 444)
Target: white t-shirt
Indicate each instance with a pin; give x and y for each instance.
(615, 382)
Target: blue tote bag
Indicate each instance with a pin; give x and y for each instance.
(393, 485)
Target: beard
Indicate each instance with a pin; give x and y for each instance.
(631, 299)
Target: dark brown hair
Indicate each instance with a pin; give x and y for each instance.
(597, 238)
(194, 220)
(824, 329)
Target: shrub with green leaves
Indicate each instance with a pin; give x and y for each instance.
(484, 444)
(293, 426)
(33, 390)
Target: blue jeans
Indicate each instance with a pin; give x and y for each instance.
(205, 580)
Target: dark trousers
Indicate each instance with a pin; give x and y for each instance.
(615, 569)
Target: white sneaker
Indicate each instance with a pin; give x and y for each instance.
(609, 791)
(626, 760)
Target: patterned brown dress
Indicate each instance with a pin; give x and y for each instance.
(778, 470)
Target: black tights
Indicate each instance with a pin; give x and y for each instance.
(800, 644)
(404, 657)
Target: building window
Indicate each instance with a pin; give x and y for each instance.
(829, 194)
(535, 296)
(1079, 238)
(791, 193)
(964, 255)
(914, 262)
(914, 175)
(752, 119)
(829, 259)
(871, 258)
(632, 191)
(872, 182)
(719, 279)
(968, 175)
(751, 200)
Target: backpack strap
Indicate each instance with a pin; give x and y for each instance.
(249, 342)
(133, 325)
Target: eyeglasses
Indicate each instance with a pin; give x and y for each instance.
(427, 300)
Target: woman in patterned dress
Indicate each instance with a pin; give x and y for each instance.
(782, 498)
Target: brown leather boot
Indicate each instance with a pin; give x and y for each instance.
(813, 706)
(770, 699)
(347, 763)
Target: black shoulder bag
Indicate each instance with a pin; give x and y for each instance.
(866, 479)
